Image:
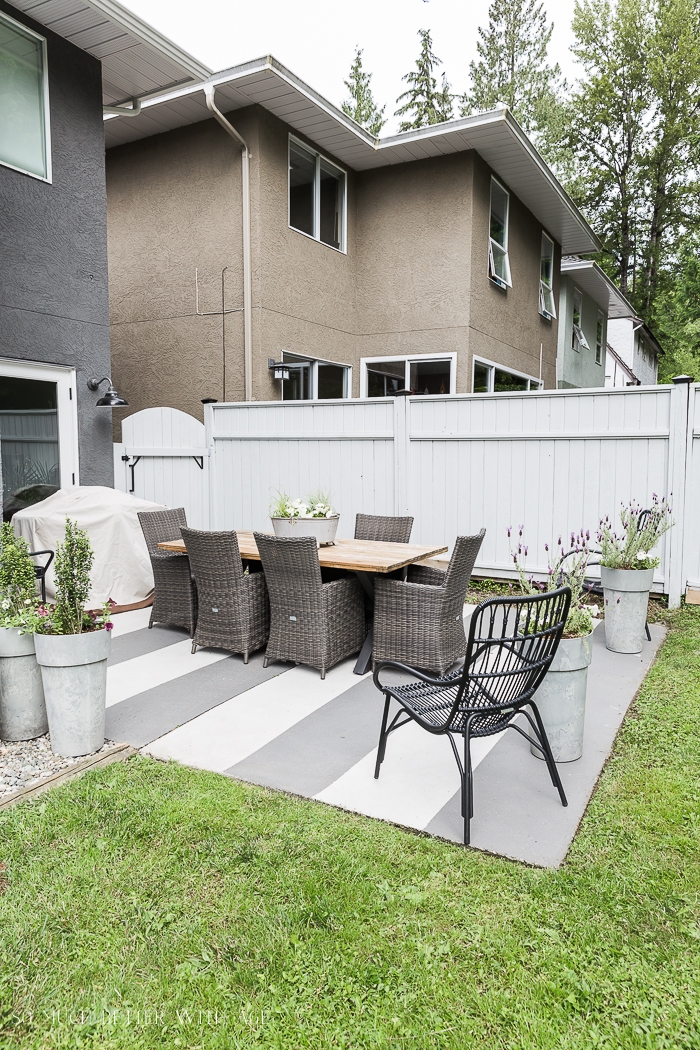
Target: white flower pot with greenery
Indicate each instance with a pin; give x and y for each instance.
(22, 707)
(313, 516)
(627, 572)
(72, 647)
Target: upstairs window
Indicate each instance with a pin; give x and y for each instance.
(317, 192)
(578, 339)
(547, 306)
(599, 335)
(499, 264)
(24, 110)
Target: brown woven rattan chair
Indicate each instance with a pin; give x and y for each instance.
(422, 624)
(512, 642)
(175, 596)
(380, 527)
(311, 622)
(233, 610)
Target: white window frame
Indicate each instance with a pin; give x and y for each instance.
(408, 360)
(314, 362)
(500, 282)
(578, 339)
(66, 401)
(316, 235)
(533, 382)
(47, 110)
(549, 315)
(600, 343)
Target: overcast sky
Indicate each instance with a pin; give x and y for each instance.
(316, 38)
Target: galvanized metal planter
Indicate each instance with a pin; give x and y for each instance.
(561, 699)
(626, 604)
(322, 529)
(74, 672)
(22, 707)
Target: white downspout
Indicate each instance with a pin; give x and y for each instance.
(245, 190)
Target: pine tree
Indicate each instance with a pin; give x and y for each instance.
(424, 102)
(361, 105)
(512, 65)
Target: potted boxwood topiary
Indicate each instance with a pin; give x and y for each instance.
(313, 516)
(72, 647)
(22, 708)
(627, 571)
(561, 698)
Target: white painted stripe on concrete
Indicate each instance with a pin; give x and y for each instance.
(237, 728)
(419, 776)
(162, 665)
(126, 622)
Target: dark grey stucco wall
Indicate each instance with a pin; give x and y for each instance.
(53, 248)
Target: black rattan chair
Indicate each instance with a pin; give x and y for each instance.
(380, 527)
(175, 595)
(233, 611)
(311, 622)
(420, 622)
(511, 644)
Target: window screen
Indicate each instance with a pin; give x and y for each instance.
(385, 378)
(302, 176)
(23, 121)
(547, 305)
(316, 196)
(331, 381)
(600, 327)
(430, 377)
(332, 198)
(499, 263)
(482, 378)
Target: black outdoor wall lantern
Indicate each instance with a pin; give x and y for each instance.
(111, 398)
(279, 369)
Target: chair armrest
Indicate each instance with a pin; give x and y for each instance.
(429, 679)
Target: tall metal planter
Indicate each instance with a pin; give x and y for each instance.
(626, 594)
(22, 707)
(74, 672)
(561, 699)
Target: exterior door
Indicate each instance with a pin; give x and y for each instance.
(38, 432)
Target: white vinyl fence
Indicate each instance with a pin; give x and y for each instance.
(551, 461)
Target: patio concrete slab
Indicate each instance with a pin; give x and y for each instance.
(129, 646)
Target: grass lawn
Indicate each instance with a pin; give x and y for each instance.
(147, 905)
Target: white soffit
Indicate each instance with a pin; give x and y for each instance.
(496, 136)
(136, 60)
(591, 279)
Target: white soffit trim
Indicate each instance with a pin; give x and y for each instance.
(496, 136)
(589, 277)
(136, 60)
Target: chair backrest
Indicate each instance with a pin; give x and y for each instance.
(215, 561)
(511, 644)
(381, 527)
(459, 571)
(292, 572)
(158, 526)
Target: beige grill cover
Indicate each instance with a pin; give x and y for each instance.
(121, 569)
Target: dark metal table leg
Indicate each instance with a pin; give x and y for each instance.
(364, 660)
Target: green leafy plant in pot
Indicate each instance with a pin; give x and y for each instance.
(313, 516)
(561, 698)
(72, 647)
(627, 564)
(22, 707)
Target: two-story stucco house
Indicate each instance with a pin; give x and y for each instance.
(252, 224)
(633, 353)
(61, 61)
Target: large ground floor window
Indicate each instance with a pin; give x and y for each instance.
(490, 378)
(38, 432)
(311, 378)
(419, 374)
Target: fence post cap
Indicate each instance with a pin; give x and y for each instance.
(683, 379)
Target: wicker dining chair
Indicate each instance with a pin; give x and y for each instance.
(421, 623)
(233, 611)
(175, 595)
(382, 527)
(311, 622)
(511, 644)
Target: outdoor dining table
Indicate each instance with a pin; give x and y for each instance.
(366, 558)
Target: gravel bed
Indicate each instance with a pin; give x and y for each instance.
(26, 762)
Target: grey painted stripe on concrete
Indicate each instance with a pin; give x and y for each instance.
(146, 716)
(321, 747)
(517, 812)
(138, 643)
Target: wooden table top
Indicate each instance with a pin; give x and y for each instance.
(352, 555)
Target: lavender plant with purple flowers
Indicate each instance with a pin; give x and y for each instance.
(641, 532)
(564, 569)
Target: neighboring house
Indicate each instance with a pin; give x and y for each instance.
(590, 305)
(617, 373)
(634, 346)
(427, 260)
(60, 61)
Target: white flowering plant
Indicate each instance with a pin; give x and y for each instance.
(564, 569)
(18, 599)
(316, 505)
(641, 532)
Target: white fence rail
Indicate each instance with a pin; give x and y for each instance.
(551, 461)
